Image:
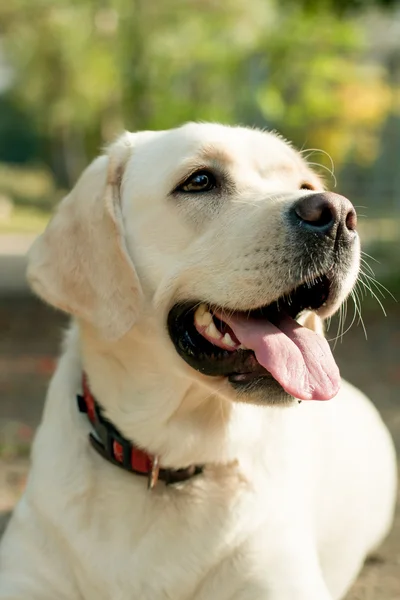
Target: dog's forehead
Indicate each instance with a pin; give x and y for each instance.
(230, 147)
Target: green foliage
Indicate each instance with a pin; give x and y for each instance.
(18, 138)
(83, 70)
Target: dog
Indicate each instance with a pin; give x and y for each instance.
(197, 441)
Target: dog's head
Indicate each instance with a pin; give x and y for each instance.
(225, 239)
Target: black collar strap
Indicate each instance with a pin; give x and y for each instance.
(111, 445)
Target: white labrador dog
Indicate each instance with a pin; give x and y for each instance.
(186, 257)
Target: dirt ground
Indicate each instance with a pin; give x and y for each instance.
(29, 341)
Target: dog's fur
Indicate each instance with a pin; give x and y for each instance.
(292, 497)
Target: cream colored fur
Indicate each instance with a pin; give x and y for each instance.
(292, 498)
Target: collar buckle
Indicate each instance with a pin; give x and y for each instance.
(154, 472)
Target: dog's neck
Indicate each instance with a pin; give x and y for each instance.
(165, 410)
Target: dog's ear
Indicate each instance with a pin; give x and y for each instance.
(312, 321)
(80, 264)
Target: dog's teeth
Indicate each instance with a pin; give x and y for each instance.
(242, 347)
(202, 308)
(202, 316)
(228, 341)
(213, 332)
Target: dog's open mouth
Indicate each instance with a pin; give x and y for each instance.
(264, 342)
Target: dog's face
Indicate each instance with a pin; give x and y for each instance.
(227, 237)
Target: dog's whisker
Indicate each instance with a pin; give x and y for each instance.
(358, 308)
(367, 266)
(345, 304)
(335, 339)
(320, 151)
(343, 333)
(369, 256)
(340, 326)
(331, 173)
(368, 282)
(328, 323)
(374, 296)
(379, 285)
(361, 288)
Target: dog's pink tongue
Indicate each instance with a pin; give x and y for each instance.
(299, 359)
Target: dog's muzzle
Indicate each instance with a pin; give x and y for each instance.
(268, 343)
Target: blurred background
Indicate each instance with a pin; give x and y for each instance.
(324, 73)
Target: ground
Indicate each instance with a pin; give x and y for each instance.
(29, 343)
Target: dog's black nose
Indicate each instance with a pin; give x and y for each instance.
(326, 213)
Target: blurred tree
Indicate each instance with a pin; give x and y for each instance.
(83, 69)
(19, 141)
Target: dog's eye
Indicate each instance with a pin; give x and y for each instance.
(307, 186)
(202, 181)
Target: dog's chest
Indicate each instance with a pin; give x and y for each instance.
(168, 543)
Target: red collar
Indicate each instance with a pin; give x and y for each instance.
(112, 446)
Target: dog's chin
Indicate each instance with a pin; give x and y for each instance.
(263, 390)
(202, 336)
